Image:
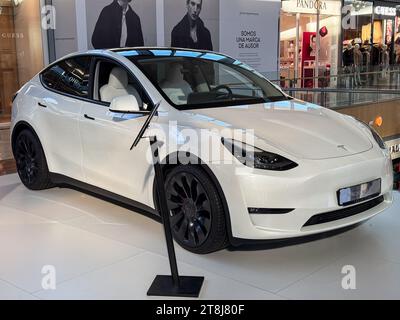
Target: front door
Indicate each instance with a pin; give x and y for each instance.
(107, 137)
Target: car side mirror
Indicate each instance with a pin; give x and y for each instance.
(125, 104)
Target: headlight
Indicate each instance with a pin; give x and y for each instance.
(376, 136)
(378, 139)
(256, 158)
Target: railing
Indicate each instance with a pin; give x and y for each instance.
(346, 89)
(373, 77)
(339, 98)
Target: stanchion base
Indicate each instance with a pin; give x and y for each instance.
(163, 286)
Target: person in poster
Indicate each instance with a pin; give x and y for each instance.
(191, 32)
(313, 45)
(118, 26)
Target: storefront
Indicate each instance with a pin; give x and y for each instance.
(375, 27)
(21, 50)
(309, 41)
(336, 28)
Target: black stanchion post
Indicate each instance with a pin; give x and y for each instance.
(164, 213)
(163, 285)
(173, 285)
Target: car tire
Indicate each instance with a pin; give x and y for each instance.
(31, 161)
(197, 214)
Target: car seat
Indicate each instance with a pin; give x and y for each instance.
(175, 86)
(117, 86)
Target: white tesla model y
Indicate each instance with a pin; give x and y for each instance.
(276, 167)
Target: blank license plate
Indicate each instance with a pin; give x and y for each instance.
(359, 193)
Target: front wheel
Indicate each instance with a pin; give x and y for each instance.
(197, 214)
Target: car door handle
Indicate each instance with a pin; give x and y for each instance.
(90, 118)
(42, 105)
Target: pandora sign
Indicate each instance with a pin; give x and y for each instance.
(312, 6)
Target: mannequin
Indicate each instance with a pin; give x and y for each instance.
(348, 60)
(367, 60)
(367, 54)
(398, 56)
(348, 57)
(385, 61)
(397, 49)
(358, 61)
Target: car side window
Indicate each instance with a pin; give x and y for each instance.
(70, 76)
(111, 81)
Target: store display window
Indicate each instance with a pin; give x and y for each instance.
(308, 56)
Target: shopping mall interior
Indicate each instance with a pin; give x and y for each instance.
(341, 55)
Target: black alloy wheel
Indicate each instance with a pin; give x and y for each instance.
(196, 211)
(31, 162)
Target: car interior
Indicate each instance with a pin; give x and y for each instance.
(188, 82)
(177, 78)
(113, 81)
(175, 86)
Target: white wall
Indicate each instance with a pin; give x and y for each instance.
(261, 17)
(66, 30)
(224, 18)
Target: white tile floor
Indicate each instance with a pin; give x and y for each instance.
(102, 251)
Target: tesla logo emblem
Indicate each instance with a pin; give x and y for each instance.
(342, 146)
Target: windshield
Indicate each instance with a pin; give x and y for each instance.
(217, 81)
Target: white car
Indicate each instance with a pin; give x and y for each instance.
(308, 169)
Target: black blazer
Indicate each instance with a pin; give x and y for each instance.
(180, 36)
(108, 30)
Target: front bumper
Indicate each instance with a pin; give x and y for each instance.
(310, 189)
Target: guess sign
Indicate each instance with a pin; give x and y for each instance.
(385, 11)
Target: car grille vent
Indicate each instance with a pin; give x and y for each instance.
(343, 213)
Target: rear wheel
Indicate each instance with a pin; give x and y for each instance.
(197, 215)
(31, 161)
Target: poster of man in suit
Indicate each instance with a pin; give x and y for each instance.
(192, 24)
(121, 23)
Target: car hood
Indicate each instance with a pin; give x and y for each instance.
(301, 129)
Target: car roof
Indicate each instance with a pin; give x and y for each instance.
(149, 49)
(168, 52)
(133, 52)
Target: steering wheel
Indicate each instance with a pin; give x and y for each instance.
(229, 94)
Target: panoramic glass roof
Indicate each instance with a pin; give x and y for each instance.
(176, 53)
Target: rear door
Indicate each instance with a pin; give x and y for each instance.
(60, 103)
